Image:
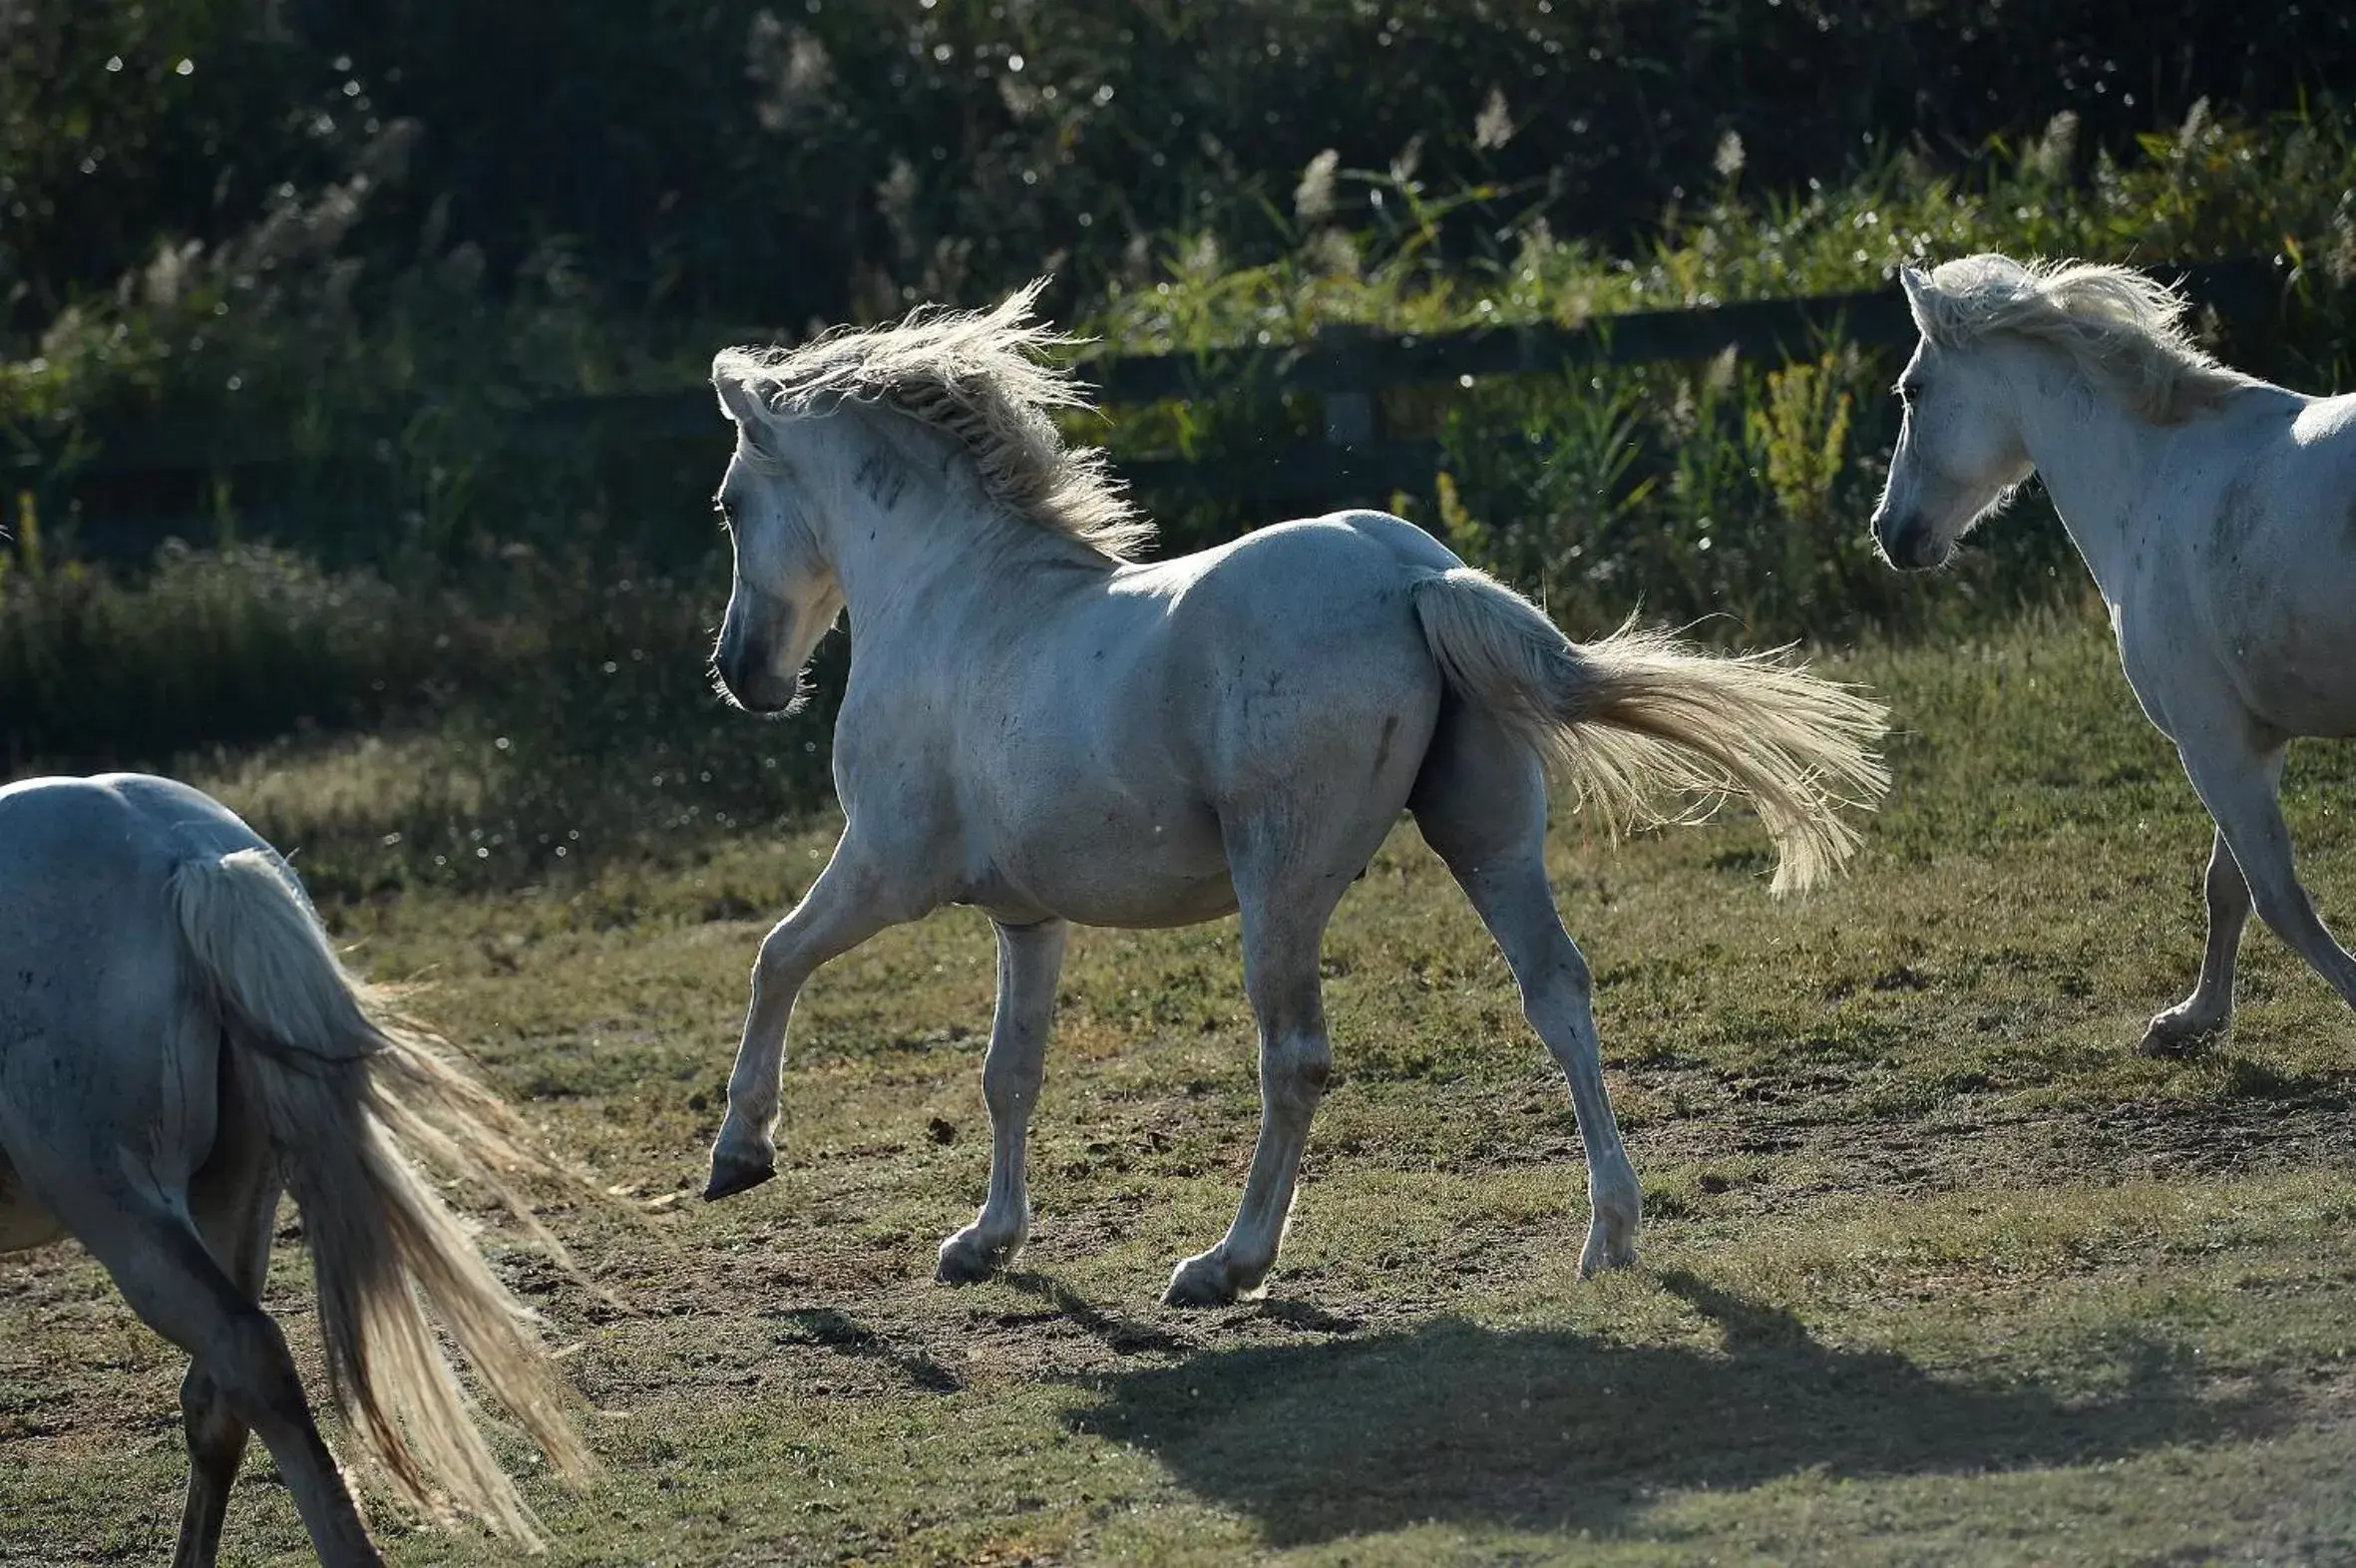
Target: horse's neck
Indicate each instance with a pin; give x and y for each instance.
(2096, 460)
(907, 527)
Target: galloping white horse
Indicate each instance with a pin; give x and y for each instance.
(1042, 728)
(2216, 511)
(178, 1041)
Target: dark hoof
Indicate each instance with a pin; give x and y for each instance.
(2173, 1045)
(735, 1179)
(961, 1270)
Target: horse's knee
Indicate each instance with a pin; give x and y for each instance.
(1295, 1071)
(2227, 890)
(1562, 980)
(216, 1437)
(1014, 1069)
(779, 962)
(254, 1380)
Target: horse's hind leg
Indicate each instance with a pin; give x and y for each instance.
(2237, 777)
(1284, 919)
(236, 1209)
(2211, 1002)
(1481, 804)
(1030, 959)
(172, 1282)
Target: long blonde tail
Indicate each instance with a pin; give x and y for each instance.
(350, 1094)
(1636, 715)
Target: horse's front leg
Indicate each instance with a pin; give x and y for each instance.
(1031, 958)
(1281, 940)
(843, 908)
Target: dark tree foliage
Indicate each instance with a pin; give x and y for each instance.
(796, 159)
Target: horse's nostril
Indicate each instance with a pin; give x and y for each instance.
(1905, 542)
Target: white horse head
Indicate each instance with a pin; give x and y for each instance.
(1991, 324)
(784, 596)
(836, 435)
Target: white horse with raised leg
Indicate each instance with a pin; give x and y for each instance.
(1042, 728)
(177, 1041)
(2216, 511)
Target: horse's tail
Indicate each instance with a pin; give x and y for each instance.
(349, 1094)
(1636, 715)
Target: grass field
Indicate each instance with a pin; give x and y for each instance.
(1935, 1269)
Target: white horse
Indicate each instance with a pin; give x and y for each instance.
(1039, 727)
(2216, 511)
(177, 1041)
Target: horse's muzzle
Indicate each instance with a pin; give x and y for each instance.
(763, 695)
(747, 680)
(1909, 544)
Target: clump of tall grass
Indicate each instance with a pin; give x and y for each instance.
(229, 646)
(599, 733)
(1731, 495)
(397, 733)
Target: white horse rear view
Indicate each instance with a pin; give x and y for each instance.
(1040, 726)
(182, 1040)
(2218, 514)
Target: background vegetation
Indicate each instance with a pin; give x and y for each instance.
(319, 289)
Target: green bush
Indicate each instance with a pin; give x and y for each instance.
(207, 647)
(556, 584)
(554, 712)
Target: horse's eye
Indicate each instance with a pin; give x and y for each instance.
(1908, 391)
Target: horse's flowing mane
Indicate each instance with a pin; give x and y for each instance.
(2122, 329)
(979, 377)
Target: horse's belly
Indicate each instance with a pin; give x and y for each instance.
(23, 1223)
(1098, 868)
(1130, 905)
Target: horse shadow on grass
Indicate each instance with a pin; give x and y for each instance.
(1547, 1429)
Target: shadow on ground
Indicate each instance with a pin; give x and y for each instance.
(1546, 1430)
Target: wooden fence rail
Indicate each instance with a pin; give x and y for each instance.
(1345, 367)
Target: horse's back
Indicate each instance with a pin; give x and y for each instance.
(1342, 558)
(1282, 677)
(111, 834)
(1301, 634)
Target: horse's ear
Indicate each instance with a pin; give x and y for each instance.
(742, 403)
(737, 400)
(1916, 285)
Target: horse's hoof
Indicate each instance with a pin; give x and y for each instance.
(1602, 1256)
(2165, 1039)
(1201, 1282)
(731, 1177)
(969, 1262)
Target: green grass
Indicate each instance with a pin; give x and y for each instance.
(1935, 1269)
